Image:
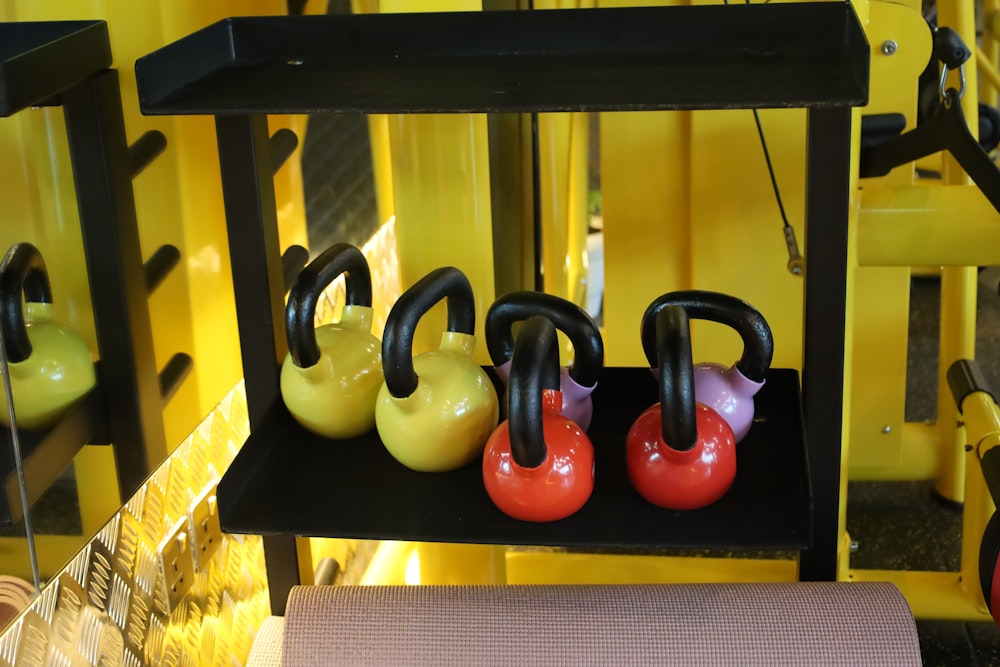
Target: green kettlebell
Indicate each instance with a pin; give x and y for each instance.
(51, 367)
(332, 374)
(435, 410)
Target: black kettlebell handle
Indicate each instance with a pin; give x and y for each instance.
(678, 416)
(588, 347)
(758, 343)
(397, 339)
(22, 272)
(300, 313)
(534, 366)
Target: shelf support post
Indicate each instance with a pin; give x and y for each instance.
(828, 169)
(255, 253)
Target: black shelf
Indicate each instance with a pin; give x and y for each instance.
(46, 454)
(706, 57)
(38, 60)
(288, 481)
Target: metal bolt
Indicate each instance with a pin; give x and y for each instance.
(886, 430)
(889, 47)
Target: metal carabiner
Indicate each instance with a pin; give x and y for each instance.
(944, 78)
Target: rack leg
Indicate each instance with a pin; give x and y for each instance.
(282, 563)
(255, 252)
(828, 165)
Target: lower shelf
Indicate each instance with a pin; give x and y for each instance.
(288, 481)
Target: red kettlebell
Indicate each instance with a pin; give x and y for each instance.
(578, 381)
(989, 566)
(727, 390)
(538, 465)
(681, 454)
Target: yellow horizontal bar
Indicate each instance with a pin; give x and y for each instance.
(538, 567)
(932, 595)
(984, 66)
(919, 457)
(934, 225)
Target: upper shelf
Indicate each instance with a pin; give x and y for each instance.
(38, 60)
(812, 54)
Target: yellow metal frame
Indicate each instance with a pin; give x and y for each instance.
(906, 224)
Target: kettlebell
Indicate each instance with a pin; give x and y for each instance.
(538, 464)
(681, 454)
(728, 391)
(577, 382)
(435, 410)
(51, 367)
(331, 375)
(989, 566)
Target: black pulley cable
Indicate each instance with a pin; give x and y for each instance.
(796, 264)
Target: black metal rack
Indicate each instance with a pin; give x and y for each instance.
(67, 63)
(285, 483)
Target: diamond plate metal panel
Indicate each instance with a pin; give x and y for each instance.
(9, 642)
(99, 574)
(102, 610)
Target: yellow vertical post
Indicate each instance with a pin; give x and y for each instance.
(958, 284)
(441, 195)
(882, 297)
(646, 217)
(991, 48)
(468, 564)
(563, 165)
(441, 192)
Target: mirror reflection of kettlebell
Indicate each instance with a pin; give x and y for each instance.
(728, 391)
(331, 375)
(51, 366)
(578, 381)
(435, 410)
(680, 454)
(539, 464)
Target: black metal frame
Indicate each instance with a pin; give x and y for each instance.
(67, 63)
(722, 57)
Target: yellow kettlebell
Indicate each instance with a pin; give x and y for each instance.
(332, 373)
(51, 367)
(436, 410)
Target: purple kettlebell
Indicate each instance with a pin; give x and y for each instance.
(578, 381)
(728, 391)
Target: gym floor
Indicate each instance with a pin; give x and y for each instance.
(904, 525)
